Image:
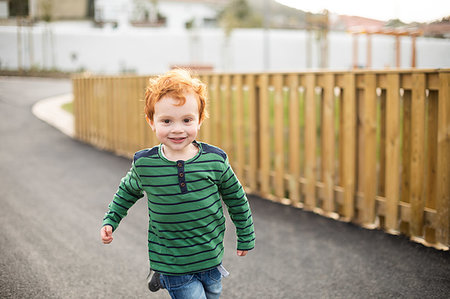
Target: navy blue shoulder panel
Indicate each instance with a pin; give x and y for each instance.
(146, 153)
(210, 149)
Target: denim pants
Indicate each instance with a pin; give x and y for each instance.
(203, 285)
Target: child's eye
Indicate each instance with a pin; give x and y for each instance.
(187, 120)
(166, 121)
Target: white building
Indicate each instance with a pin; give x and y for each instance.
(172, 14)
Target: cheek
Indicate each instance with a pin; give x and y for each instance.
(193, 130)
(160, 130)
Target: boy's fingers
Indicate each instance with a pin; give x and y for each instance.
(107, 240)
(108, 230)
(106, 233)
(242, 252)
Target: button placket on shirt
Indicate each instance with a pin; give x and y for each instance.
(181, 176)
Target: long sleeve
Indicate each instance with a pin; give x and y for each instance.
(128, 193)
(234, 197)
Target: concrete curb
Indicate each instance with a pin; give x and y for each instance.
(50, 111)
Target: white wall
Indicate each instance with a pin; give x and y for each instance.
(4, 9)
(75, 46)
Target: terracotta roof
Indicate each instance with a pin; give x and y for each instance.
(354, 23)
(437, 29)
(199, 1)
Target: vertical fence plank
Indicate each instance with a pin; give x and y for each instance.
(106, 110)
(370, 148)
(348, 139)
(205, 133)
(77, 91)
(392, 150)
(84, 95)
(143, 126)
(117, 115)
(328, 143)
(100, 102)
(83, 109)
(382, 143)
(120, 90)
(360, 159)
(227, 116)
(239, 127)
(310, 141)
(340, 124)
(93, 118)
(294, 140)
(122, 124)
(417, 149)
(109, 100)
(146, 132)
(132, 98)
(253, 132)
(406, 155)
(216, 115)
(264, 141)
(429, 190)
(443, 161)
(278, 136)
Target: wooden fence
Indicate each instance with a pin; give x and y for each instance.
(371, 147)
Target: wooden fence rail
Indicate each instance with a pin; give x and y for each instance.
(371, 147)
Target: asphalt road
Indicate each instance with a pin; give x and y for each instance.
(54, 192)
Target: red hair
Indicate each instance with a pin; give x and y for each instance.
(175, 83)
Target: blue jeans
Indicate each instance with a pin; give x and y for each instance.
(203, 285)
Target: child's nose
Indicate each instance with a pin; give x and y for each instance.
(178, 127)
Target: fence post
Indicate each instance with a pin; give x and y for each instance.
(328, 143)
(417, 149)
(370, 148)
(392, 151)
(443, 160)
(349, 142)
(310, 141)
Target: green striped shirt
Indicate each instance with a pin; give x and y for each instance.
(186, 219)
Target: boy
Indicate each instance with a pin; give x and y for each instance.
(184, 181)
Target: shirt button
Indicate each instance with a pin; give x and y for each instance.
(183, 185)
(181, 174)
(180, 164)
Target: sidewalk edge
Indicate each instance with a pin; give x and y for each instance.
(49, 110)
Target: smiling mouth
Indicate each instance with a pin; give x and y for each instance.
(177, 139)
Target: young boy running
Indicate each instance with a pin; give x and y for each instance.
(185, 181)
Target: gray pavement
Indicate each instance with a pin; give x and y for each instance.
(54, 192)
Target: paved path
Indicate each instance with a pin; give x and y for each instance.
(54, 192)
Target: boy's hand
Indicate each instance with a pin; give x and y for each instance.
(242, 252)
(106, 233)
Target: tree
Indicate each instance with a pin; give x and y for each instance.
(238, 14)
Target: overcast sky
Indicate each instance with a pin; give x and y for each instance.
(405, 10)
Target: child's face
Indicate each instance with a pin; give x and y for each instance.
(176, 126)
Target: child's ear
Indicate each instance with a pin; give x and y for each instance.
(150, 123)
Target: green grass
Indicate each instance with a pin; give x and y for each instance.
(68, 107)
